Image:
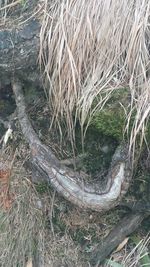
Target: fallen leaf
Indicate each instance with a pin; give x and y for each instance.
(122, 244)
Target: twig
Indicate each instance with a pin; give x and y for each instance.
(10, 5)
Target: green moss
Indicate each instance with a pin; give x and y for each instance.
(94, 158)
(42, 187)
(110, 121)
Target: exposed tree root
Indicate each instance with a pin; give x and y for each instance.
(68, 182)
(124, 228)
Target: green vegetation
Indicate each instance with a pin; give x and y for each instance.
(110, 121)
(42, 187)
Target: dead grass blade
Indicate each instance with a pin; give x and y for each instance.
(88, 49)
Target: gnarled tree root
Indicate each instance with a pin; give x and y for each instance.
(68, 182)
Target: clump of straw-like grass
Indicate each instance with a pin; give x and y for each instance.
(136, 256)
(17, 12)
(91, 48)
(139, 255)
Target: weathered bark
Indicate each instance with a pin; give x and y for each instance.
(68, 182)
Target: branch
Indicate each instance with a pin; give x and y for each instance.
(123, 229)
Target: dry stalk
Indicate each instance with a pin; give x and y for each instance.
(91, 48)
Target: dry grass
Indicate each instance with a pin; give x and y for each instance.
(18, 12)
(20, 227)
(25, 232)
(91, 48)
(38, 228)
(88, 49)
(6, 6)
(134, 258)
(44, 228)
